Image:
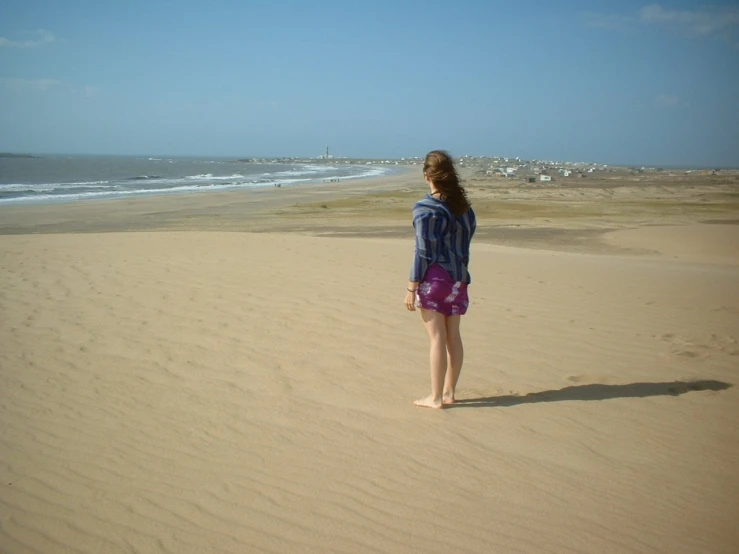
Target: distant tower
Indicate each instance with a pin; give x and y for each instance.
(327, 151)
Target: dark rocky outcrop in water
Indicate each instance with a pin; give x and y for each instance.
(9, 155)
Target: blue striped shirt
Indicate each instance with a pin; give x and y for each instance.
(442, 238)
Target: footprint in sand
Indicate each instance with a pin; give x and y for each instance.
(700, 347)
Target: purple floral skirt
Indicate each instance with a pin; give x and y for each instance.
(440, 293)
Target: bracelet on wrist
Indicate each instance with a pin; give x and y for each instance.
(411, 290)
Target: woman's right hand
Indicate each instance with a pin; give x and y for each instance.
(410, 301)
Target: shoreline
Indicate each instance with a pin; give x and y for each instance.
(93, 215)
(185, 187)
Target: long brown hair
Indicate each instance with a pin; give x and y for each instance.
(439, 167)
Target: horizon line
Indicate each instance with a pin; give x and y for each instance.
(10, 153)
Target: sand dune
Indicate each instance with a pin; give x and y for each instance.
(717, 243)
(235, 392)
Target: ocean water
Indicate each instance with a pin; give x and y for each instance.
(77, 178)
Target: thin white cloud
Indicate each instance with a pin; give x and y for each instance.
(706, 21)
(701, 22)
(666, 101)
(24, 85)
(43, 37)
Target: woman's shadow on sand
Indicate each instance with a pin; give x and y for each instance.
(593, 392)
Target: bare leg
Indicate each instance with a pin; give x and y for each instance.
(435, 325)
(455, 357)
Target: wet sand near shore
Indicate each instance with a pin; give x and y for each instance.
(569, 215)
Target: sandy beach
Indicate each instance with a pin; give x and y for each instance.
(235, 372)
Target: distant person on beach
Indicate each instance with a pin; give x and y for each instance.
(444, 223)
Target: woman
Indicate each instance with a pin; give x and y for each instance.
(444, 224)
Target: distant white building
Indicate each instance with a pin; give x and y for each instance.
(544, 178)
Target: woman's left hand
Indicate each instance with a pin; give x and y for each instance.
(410, 301)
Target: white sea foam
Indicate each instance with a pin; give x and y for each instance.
(42, 187)
(156, 185)
(138, 192)
(210, 177)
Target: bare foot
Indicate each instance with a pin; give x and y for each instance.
(447, 399)
(428, 402)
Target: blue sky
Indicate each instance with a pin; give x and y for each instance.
(614, 82)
